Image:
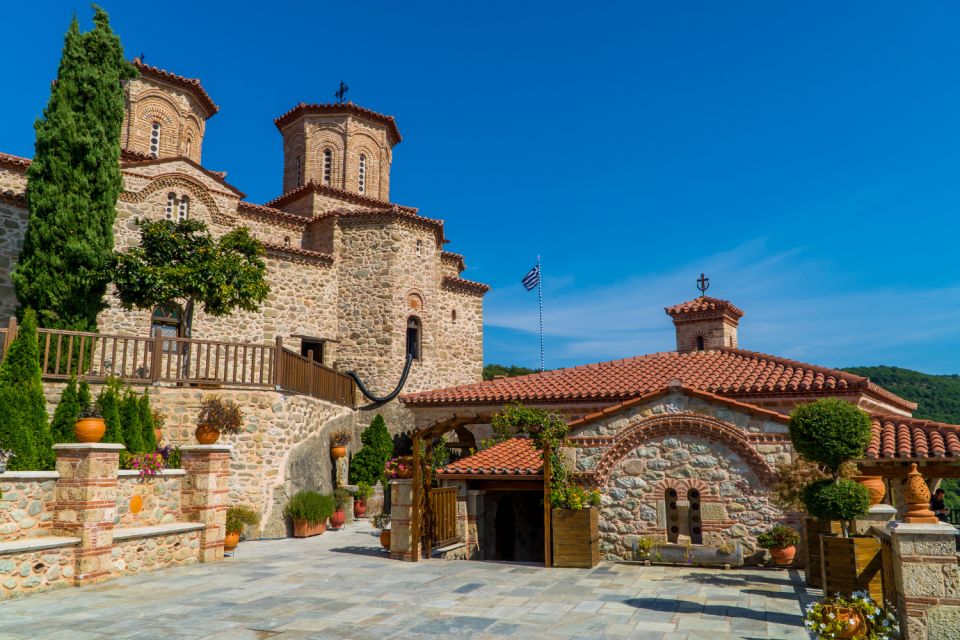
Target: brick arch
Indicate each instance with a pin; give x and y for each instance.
(194, 187)
(683, 487)
(688, 424)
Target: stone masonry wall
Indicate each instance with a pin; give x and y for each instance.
(159, 495)
(13, 228)
(136, 555)
(26, 573)
(26, 506)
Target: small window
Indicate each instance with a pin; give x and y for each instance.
(362, 178)
(700, 345)
(171, 202)
(327, 166)
(155, 140)
(419, 247)
(413, 337)
(312, 350)
(299, 171)
(183, 210)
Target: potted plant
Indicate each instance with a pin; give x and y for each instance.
(854, 616)
(90, 426)
(338, 443)
(238, 516)
(400, 467)
(5, 455)
(364, 491)
(382, 521)
(831, 432)
(309, 512)
(159, 419)
(875, 486)
(340, 496)
(782, 543)
(217, 416)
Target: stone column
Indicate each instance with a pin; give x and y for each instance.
(472, 536)
(927, 579)
(203, 494)
(85, 504)
(401, 511)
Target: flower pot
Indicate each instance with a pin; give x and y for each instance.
(338, 452)
(783, 556)
(385, 539)
(231, 540)
(875, 485)
(852, 621)
(306, 529)
(359, 509)
(158, 435)
(89, 429)
(207, 434)
(337, 519)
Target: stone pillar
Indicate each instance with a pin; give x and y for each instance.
(879, 515)
(472, 536)
(348, 503)
(375, 502)
(85, 504)
(927, 579)
(401, 511)
(203, 494)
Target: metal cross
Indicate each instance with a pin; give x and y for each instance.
(341, 92)
(143, 58)
(703, 283)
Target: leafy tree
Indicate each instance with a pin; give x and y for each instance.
(937, 397)
(73, 182)
(130, 422)
(830, 432)
(491, 371)
(146, 423)
(368, 464)
(840, 499)
(15, 434)
(182, 261)
(20, 375)
(66, 414)
(109, 403)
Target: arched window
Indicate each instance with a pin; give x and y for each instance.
(183, 211)
(362, 177)
(187, 148)
(700, 345)
(171, 201)
(167, 321)
(299, 171)
(155, 139)
(413, 337)
(327, 166)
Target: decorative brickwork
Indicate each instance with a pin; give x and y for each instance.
(204, 494)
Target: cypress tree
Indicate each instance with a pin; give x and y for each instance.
(14, 435)
(74, 181)
(368, 464)
(146, 424)
(83, 395)
(109, 403)
(20, 376)
(66, 414)
(130, 422)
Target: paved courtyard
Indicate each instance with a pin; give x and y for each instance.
(339, 586)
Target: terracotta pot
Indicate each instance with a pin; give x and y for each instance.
(158, 435)
(783, 556)
(338, 452)
(89, 429)
(385, 539)
(875, 485)
(337, 519)
(844, 616)
(306, 529)
(231, 540)
(207, 434)
(359, 509)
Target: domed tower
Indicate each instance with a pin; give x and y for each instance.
(166, 114)
(342, 146)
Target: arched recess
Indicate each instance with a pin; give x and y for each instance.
(157, 108)
(681, 424)
(180, 183)
(320, 140)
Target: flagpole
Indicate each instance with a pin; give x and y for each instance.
(540, 294)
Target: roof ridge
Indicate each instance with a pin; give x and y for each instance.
(389, 121)
(181, 80)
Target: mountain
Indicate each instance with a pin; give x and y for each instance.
(938, 396)
(492, 370)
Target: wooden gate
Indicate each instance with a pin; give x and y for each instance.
(443, 516)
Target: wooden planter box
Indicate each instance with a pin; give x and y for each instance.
(306, 529)
(812, 530)
(852, 564)
(576, 539)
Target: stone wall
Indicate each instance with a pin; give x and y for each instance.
(25, 573)
(159, 498)
(13, 228)
(26, 504)
(136, 555)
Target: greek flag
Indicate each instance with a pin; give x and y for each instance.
(532, 279)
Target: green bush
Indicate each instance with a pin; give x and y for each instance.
(146, 423)
(778, 537)
(14, 432)
(130, 422)
(830, 432)
(66, 414)
(20, 375)
(364, 491)
(109, 403)
(841, 499)
(239, 516)
(309, 506)
(368, 464)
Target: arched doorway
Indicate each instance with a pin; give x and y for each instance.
(506, 529)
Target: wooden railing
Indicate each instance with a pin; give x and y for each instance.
(181, 361)
(443, 516)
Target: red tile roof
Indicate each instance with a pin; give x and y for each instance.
(190, 84)
(217, 176)
(333, 192)
(464, 286)
(297, 252)
(339, 109)
(727, 372)
(896, 437)
(703, 305)
(14, 162)
(456, 258)
(513, 457)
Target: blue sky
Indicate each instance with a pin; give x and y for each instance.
(804, 155)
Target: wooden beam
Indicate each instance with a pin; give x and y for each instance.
(416, 499)
(547, 537)
(429, 515)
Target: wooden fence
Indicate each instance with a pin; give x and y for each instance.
(185, 362)
(443, 516)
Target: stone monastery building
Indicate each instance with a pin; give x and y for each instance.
(356, 281)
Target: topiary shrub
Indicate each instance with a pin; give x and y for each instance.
(830, 432)
(130, 422)
(840, 499)
(66, 414)
(109, 403)
(15, 435)
(368, 463)
(20, 376)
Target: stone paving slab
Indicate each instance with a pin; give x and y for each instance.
(339, 585)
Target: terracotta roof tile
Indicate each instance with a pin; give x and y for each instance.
(336, 109)
(334, 192)
(513, 457)
(466, 286)
(703, 304)
(191, 84)
(897, 437)
(456, 258)
(729, 372)
(248, 209)
(14, 162)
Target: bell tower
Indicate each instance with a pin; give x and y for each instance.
(705, 323)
